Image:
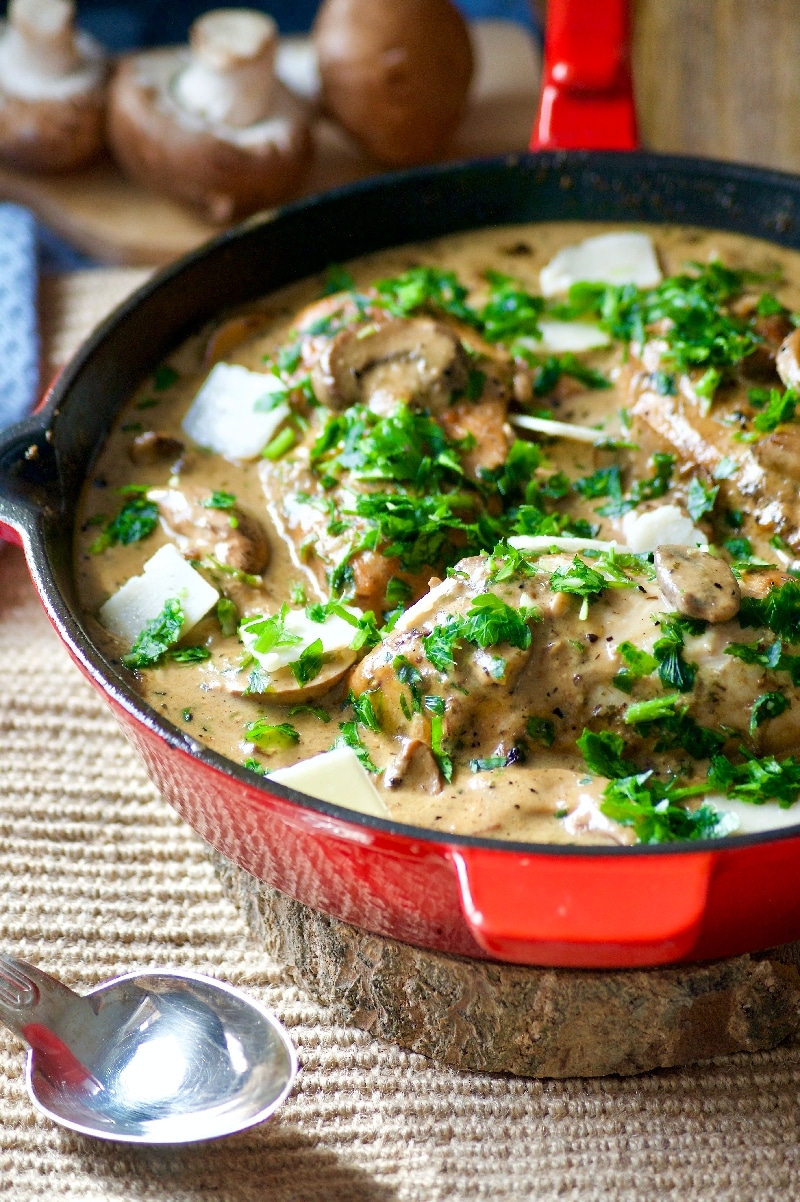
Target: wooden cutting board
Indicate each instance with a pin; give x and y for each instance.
(117, 221)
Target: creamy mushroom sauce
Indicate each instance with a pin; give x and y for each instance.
(550, 797)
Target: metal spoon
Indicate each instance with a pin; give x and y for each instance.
(152, 1058)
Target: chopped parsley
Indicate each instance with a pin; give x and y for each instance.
(219, 500)
(309, 663)
(664, 383)
(673, 670)
(605, 482)
(227, 616)
(510, 312)
(779, 611)
(779, 407)
(726, 468)
(602, 753)
(337, 279)
(349, 737)
(488, 764)
(364, 710)
(548, 370)
(315, 710)
(397, 597)
(738, 548)
(270, 633)
(638, 664)
(653, 809)
(406, 446)
(268, 737)
(579, 580)
(411, 677)
(488, 622)
(189, 655)
(688, 309)
(436, 708)
(137, 519)
(161, 633)
(541, 729)
(280, 444)
(164, 377)
(426, 288)
(641, 490)
(765, 707)
(757, 780)
(652, 710)
(768, 655)
(700, 498)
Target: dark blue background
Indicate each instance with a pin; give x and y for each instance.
(152, 22)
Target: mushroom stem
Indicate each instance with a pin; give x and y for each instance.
(230, 77)
(42, 37)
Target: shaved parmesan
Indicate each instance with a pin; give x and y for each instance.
(562, 336)
(744, 818)
(543, 542)
(625, 258)
(166, 576)
(667, 524)
(236, 412)
(544, 425)
(335, 633)
(337, 777)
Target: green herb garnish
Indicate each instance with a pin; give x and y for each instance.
(766, 707)
(136, 520)
(309, 663)
(161, 633)
(349, 737)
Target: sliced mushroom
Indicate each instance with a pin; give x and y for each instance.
(780, 451)
(153, 447)
(788, 360)
(52, 88)
(416, 359)
(415, 767)
(281, 686)
(209, 124)
(697, 584)
(229, 535)
(762, 364)
(231, 334)
(285, 690)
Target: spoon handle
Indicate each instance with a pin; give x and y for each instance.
(30, 1001)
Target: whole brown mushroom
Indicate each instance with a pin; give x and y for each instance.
(395, 73)
(209, 124)
(52, 88)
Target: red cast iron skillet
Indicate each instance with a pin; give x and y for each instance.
(583, 907)
(580, 907)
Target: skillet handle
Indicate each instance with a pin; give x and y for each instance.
(583, 911)
(587, 91)
(30, 485)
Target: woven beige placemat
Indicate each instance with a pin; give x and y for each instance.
(99, 876)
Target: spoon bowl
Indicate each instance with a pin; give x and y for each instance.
(160, 1057)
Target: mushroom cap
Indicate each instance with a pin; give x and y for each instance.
(225, 172)
(395, 73)
(407, 358)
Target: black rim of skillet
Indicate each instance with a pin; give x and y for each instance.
(45, 459)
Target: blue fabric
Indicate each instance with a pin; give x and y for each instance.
(19, 338)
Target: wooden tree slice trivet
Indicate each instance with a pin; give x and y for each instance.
(536, 1022)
